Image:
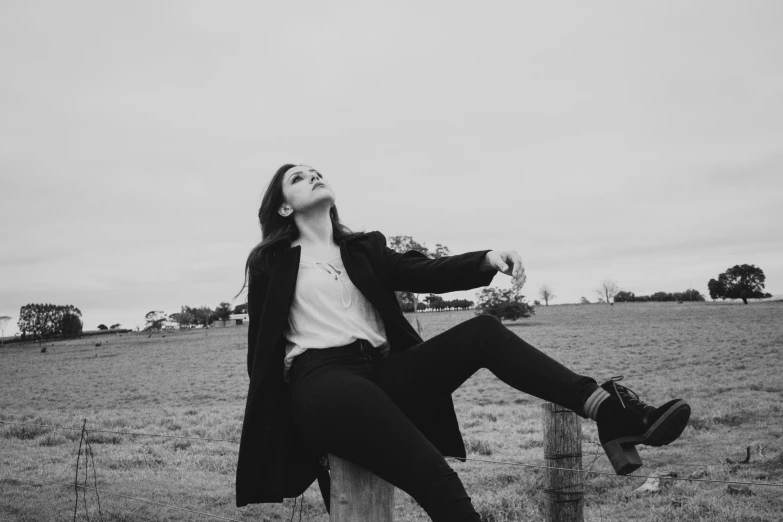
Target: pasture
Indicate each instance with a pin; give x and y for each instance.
(725, 359)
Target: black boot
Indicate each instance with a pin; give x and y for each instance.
(624, 421)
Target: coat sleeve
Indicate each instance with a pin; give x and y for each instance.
(256, 294)
(415, 272)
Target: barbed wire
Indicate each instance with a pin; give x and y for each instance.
(111, 493)
(139, 434)
(690, 465)
(620, 476)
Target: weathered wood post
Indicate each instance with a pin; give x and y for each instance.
(564, 490)
(358, 495)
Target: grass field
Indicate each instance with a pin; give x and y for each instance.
(724, 359)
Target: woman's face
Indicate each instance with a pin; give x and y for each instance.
(304, 188)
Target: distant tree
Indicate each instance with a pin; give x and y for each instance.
(537, 302)
(740, 282)
(717, 288)
(240, 309)
(102, 327)
(503, 304)
(187, 317)
(71, 325)
(204, 315)
(585, 301)
(607, 291)
(546, 294)
(406, 300)
(434, 302)
(155, 320)
(115, 326)
(661, 297)
(691, 294)
(223, 312)
(32, 321)
(624, 297)
(4, 320)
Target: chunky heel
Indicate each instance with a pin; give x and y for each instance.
(624, 457)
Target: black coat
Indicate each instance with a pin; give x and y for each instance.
(272, 463)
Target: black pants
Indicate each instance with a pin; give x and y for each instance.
(352, 403)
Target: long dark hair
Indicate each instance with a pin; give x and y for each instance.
(274, 226)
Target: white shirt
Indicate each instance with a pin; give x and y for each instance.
(328, 310)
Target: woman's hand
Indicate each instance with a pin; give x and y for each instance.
(508, 262)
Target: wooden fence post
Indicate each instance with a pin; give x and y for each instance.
(358, 495)
(564, 490)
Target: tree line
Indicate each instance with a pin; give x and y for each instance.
(434, 302)
(45, 321)
(738, 282)
(38, 321)
(189, 317)
(629, 297)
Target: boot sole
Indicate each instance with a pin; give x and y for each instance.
(622, 451)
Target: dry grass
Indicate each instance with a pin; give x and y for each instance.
(725, 359)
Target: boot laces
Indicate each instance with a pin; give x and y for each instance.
(631, 396)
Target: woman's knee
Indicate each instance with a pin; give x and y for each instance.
(487, 320)
(488, 324)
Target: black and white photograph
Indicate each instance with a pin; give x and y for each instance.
(391, 261)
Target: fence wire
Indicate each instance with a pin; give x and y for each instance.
(112, 493)
(520, 464)
(667, 477)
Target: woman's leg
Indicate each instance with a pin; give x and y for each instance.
(346, 414)
(440, 365)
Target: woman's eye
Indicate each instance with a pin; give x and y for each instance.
(297, 177)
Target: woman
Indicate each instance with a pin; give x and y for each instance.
(336, 368)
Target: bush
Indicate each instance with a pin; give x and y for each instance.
(503, 304)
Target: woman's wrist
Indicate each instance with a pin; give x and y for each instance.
(485, 266)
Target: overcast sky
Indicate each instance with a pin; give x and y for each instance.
(598, 139)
